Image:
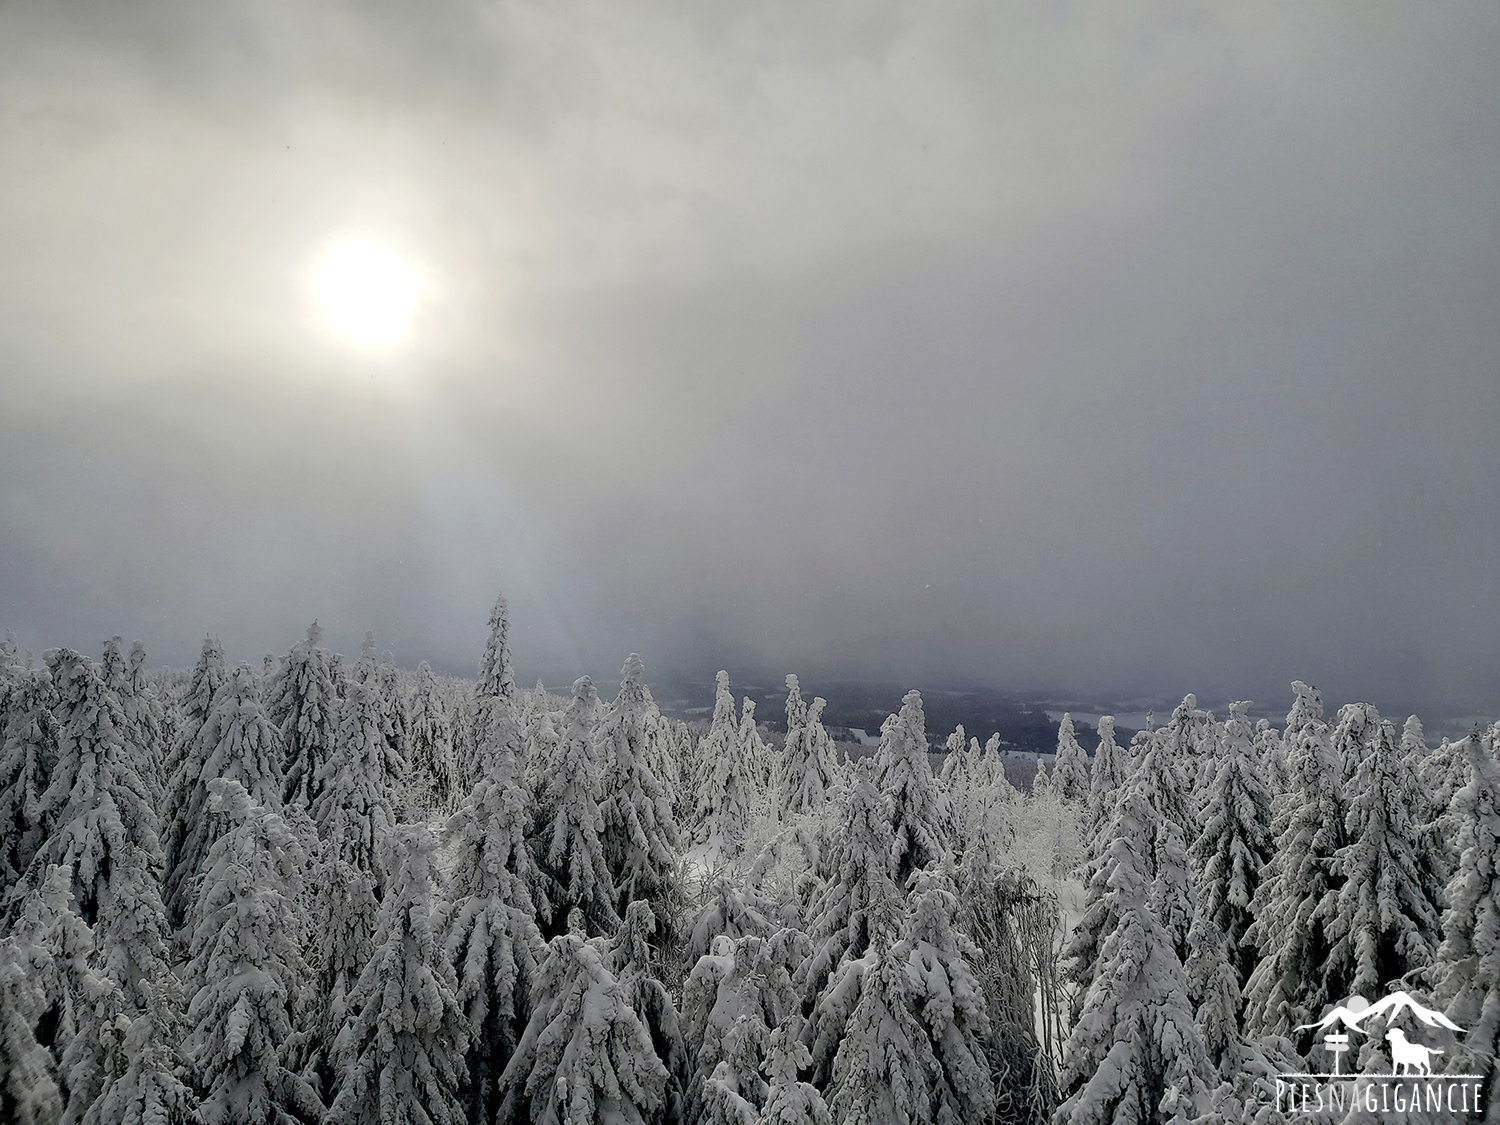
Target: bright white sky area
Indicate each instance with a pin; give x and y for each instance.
(1123, 348)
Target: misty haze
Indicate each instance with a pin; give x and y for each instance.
(653, 564)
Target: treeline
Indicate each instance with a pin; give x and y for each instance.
(335, 891)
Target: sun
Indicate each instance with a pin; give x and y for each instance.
(368, 292)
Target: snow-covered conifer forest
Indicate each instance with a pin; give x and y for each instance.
(329, 890)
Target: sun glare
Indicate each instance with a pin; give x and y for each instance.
(368, 292)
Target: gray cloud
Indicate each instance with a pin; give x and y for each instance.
(1125, 349)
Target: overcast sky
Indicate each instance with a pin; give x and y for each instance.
(1120, 348)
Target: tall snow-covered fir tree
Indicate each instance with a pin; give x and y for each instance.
(633, 961)
(585, 1057)
(1135, 1037)
(753, 749)
(641, 844)
(904, 773)
(125, 676)
(796, 706)
(1356, 727)
(495, 690)
(1070, 774)
(246, 967)
(1467, 972)
(570, 842)
(958, 762)
(1235, 843)
(1106, 777)
(491, 934)
(238, 742)
(355, 826)
(1229, 855)
(860, 885)
(352, 809)
(430, 738)
(209, 674)
(726, 790)
(809, 767)
(401, 1050)
(733, 1000)
(148, 1091)
(53, 948)
(1292, 983)
(790, 1100)
(1386, 923)
(101, 825)
(28, 754)
(900, 1031)
(29, 1093)
(302, 700)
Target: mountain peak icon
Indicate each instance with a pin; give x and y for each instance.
(1355, 1011)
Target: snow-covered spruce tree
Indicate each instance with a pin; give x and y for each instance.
(796, 706)
(431, 741)
(1234, 846)
(1106, 777)
(899, 1032)
(661, 753)
(860, 882)
(1070, 774)
(729, 911)
(209, 674)
(54, 947)
(28, 1089)
(1386, 923)
(1164, 781)
(753, 750)
(808, 764)
(28, 753)
(640, 836)
(1135, 1038)
(1292, 983)
(402, 1046)
(726, 787)
(990, 763)
(733, 1001)
(126, 677)
(494, 690)
(1468, 966)
(585, 1057)
(303, 701)
(395, 722)
(103, 828)
(1271, 760)
(149, 1091)
(1177, 747)
(791, 1101)
(570, 841)
(352, 809)
(1352, 734)
(958, 763)
(246, 967)
(1156, 779)
(632, 960)
(904, 773)
(491, 935)
(355, 826)
(238, 742)
(1041, 781)
(1441, 773)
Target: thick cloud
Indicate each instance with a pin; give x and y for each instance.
(1134, 348)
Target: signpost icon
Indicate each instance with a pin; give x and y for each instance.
(1336, 1042)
